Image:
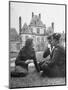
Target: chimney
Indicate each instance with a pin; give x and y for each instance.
(32, 14)
(52, 25)
(20, 25)
(39, 15)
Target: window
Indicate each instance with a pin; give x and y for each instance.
(35, 22)
(38, 30)
(38, 39)
(32, 30)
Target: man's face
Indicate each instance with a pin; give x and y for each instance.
(53, 42)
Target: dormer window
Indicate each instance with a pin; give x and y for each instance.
(35, 22)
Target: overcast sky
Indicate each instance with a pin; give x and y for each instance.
(49, 13)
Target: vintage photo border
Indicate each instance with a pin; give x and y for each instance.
(65, 40)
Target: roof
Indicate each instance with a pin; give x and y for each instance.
(36, 21)
(26, 29)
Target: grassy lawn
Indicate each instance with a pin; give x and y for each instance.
(34, 79)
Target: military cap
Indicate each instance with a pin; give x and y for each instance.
(56, 36)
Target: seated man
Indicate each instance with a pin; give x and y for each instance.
(55, 67)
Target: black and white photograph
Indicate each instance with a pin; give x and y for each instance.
(37, 44)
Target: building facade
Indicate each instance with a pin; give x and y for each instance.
(35, 30)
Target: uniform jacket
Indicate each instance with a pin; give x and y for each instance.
(25, 54)
(57, 62)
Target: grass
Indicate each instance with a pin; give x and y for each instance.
(34, 79)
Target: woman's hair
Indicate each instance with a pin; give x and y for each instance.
(29, 42)
(49, 38)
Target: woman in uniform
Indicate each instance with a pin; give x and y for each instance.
(26, 54)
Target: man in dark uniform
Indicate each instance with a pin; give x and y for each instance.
(55, 67)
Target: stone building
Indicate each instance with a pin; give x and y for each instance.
(35, 30)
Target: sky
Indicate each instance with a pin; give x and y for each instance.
(49, 13)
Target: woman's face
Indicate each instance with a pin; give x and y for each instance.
(52, 42)
(49, 41)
